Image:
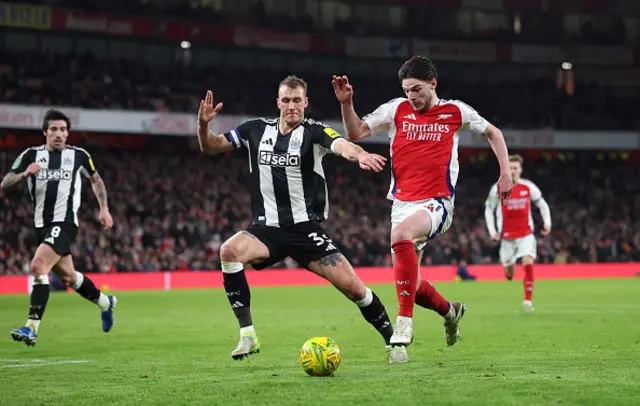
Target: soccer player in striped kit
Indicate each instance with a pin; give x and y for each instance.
(289, 201)
(54, 172)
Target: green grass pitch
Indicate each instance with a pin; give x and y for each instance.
(580, 347)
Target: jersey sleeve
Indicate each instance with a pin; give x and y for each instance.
(471, 120)
(325, 136)
(534, 192)
(239, 136)
(382, 117)
(22, 162)
(490, 205)
(536, 197)
(86, 162)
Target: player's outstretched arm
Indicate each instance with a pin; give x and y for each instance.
(355, 128)
(209, 142)
(499, 147)
(355, 153)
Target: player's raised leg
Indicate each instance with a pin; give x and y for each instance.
(235, 253)
(336, 269)
(527, 282)
(85, 287)
(41, 264)
(427, 296)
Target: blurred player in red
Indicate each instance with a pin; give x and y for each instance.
(423, 131)
(516, 224)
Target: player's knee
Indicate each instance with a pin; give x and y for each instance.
(67, 279)
(39, 267)
(229, 253)
(527, 260)
(355, 290)
(401, 234)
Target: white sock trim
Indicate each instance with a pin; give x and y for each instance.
(79, 280)
(103, 302)
(232, 267)
(248, 329)
(366, 300)
(41, 280)
(34, 325)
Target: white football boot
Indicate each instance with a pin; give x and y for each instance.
(452, 322)
(247, 345)
(400, 340)
(397, 354)
(527, 306)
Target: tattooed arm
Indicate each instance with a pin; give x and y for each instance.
(100, 190)
(22, 168)
(11, 179)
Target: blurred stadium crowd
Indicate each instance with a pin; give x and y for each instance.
(173, 211)
(84, 80)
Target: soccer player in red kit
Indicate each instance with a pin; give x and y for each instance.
(423, 131)
(516, 224)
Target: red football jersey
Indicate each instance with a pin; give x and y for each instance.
(424, 146)
(514, 216)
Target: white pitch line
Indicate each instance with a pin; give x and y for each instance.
(24, 360)
(38, 363)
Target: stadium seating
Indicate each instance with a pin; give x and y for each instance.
(172, 212)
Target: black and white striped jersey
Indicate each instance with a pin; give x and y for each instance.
(287, 181)
(56, 189)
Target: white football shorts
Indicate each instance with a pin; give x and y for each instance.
(512, 250)
(440, 211)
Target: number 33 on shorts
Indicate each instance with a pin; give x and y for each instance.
(320, 240)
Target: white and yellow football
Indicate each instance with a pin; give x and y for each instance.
(320, 356)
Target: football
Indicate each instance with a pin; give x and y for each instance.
(320, 356)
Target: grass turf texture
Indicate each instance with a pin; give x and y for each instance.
(580, 347)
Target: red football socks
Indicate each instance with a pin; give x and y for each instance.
(406, 274)
(429, 298)
(528, 282)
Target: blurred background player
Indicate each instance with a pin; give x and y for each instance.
(424, 132)
(289, 200)
(54, 174)
(516, 226)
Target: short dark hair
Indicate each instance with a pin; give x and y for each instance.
(52, 115)
(293, 81)
(418, 67)
(516, 158)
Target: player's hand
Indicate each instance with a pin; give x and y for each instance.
(342, 89)
(207, 112)
(546, 230)
(505, 184)
(371, 162)
(32, 169)
(105, 219)
(495, 237)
